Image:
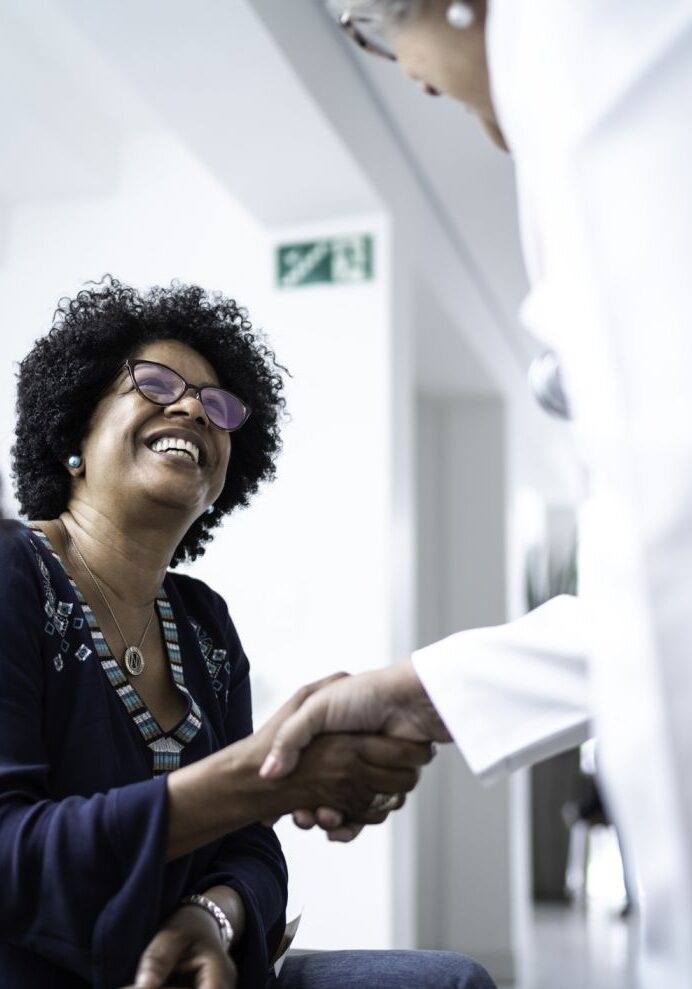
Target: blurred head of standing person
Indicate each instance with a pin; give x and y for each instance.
(440, 45)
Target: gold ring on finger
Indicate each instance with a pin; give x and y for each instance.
(384, 802)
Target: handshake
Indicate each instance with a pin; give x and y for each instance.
(353, 745)
(341, 753)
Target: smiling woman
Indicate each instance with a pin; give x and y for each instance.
(64, 377)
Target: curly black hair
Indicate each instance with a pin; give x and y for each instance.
(62, 378)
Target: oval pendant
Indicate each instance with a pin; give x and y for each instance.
(134, 661)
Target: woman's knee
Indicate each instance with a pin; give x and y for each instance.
(385, 970)
(451, 970)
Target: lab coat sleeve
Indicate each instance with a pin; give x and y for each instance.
(512, 694)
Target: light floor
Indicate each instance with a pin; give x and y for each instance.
(577, 947)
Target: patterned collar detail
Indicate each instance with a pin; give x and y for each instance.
(166, 747)
(59, 618)
(215, 659)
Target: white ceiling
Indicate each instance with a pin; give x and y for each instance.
(214, 76)
(62, 122)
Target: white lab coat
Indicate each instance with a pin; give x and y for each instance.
(595, 99)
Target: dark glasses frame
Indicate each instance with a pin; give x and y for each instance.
(349, 24)
(186, 386)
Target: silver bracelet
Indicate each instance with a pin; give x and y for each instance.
(225, 929)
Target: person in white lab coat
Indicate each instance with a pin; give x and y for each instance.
(593, 99)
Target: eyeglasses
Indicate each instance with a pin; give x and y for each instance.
(363, 30)
(164, 386)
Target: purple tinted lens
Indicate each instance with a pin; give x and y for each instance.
(157, 383)
(224, 409)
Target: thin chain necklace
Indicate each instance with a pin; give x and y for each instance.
(133, 655)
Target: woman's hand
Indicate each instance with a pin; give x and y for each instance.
(337, 827)
(391, 701)
(362, 755)
(346, 772)
(187, 951)
(224, 791)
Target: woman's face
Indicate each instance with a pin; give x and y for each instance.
(451, 61)
(120, 466)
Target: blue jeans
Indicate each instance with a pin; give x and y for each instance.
(382, 970)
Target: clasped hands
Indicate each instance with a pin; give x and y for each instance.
(361, 739)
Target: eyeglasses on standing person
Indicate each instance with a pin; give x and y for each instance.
(365, 32)
(370, 30)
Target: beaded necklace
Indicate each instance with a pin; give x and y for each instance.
(166, 747)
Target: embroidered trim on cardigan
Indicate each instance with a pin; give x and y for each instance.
(165, 746)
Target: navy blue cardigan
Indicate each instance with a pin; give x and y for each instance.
(84, 884)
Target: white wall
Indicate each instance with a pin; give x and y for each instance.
(466, 882)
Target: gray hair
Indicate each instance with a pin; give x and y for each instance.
(389, 13)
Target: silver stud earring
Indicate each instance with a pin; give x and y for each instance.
(210, 510)
(460, 15)
(75, 461)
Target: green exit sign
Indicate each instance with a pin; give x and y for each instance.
(337, 260)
